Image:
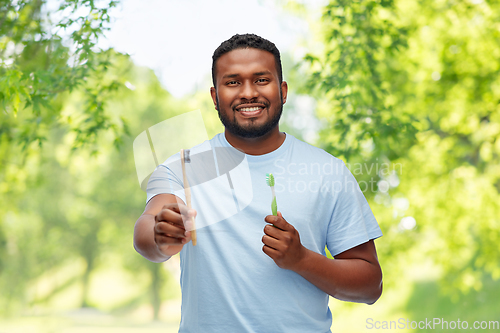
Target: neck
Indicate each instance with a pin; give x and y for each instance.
(257, 146)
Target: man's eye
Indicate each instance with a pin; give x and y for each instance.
(232, 83)
(262, 80)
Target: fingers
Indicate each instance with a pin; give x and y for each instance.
(175, 213)
(170, 230)
(278, 235)
(282, 243)
(171, 224)
(162, 240)
(273, 253)
(169, 234)
(272, 242)
(171, 216)
(273, 232)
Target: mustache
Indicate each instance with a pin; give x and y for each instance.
(264, 104)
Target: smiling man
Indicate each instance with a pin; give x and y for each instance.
(249, 96)
(251, 271)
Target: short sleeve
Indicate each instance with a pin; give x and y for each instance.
(166, 179)
(352, 222)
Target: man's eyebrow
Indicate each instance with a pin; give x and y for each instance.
(230, 76)
(262, 73)
(227, 76)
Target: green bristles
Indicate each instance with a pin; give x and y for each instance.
(270, 179)
(270, 182)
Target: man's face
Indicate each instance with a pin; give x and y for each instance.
(248, 95)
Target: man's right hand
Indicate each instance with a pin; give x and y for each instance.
(160, 232)
(170, 228)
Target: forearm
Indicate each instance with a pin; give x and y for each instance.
(353, 280)
(144, 241)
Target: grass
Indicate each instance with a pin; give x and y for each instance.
(417, 301)
(410, 298)
(427, 301)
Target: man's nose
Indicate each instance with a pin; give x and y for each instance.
(248, 91)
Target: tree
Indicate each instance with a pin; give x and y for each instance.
(44, 56)
(41, 61)
(78, 205)
(56, 123)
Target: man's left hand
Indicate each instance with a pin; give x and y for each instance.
(282, 243)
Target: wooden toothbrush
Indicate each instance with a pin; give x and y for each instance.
(187, 191)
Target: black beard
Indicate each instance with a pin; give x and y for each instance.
(250, 132)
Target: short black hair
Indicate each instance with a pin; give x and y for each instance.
(244, 42)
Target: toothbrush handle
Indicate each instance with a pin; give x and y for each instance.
(274, 207)
(187, 192)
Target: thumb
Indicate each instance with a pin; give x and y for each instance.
(188, 219)
(189, 237)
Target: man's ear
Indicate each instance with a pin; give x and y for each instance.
(284, 91)
(213, 93)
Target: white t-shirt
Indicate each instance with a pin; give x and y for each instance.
(228, 283)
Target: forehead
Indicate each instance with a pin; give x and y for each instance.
(245, 61)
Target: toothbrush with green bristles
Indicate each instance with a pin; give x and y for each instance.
(270, 182)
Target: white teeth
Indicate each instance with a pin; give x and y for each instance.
(250, 109)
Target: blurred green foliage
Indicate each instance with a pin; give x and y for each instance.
(64, 205)
(414, 86)
(408, 93)
(45, 54)
(68, 195)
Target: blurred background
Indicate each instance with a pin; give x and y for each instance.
(406, 92)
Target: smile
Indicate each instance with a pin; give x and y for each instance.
(249, 112)
(256, 108)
